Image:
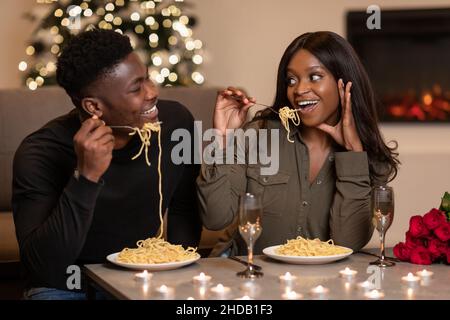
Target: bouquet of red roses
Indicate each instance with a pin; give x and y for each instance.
(428, 237)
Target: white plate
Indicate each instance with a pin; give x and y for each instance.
(153, 266)
(270, 251)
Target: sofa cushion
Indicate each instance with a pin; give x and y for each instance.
(9, 249)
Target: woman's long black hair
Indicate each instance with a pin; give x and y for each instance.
(338, 56)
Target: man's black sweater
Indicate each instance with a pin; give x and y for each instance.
(61, 220)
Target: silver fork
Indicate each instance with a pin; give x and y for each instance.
(128, 127)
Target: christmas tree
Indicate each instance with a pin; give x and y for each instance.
(159, 32)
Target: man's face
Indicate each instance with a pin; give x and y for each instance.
(127, 95)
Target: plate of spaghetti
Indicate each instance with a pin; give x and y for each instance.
(306, 251)
(154, 254)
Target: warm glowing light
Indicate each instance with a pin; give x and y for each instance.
(139, 28)
(117, 21)
(39, 81)
(100, 11)
(58, 39)
(109, 17)
(30, 50)
(153, 37)
(198, 44)
(427, 99)
(167, 23)
(109, 7)
(174, 59)
(197, 59)
(184, 19)
(54, 49)
(173, 77)
(197, 77)
(54, 30)
(172, 40)
(149, 21)
(157, 61)
(87, 13)
(58, 13)
(32, 85)
(65, 22)
(165, 72)
(190, 45)
(135, 16)
(23, 66)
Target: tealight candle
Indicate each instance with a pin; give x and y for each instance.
(143, 277)
(165, 291)
(201, 279)
(411, 279)
(424, 274)
(244, 298)
(319, 292)
(220, 290)
(348, 273)
(374, 294)
(291, 295)
(249, 288)
(366, 285)
(287, 279)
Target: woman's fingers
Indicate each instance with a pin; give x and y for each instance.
(348, 115)
(341, 93)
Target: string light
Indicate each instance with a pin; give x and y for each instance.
(87, 13)
(30, 50)
(109, 7)
(135, 16)
(23, 66)
(175, 57)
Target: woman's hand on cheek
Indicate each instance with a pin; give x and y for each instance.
(344, 132)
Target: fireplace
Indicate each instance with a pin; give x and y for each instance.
(408, 62)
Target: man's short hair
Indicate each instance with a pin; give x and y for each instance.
(89, 56)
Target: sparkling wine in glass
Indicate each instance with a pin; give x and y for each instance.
(382, 216)
(250, 228)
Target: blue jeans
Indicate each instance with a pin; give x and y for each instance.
(53, 294)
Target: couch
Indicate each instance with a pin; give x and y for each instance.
(23, 111)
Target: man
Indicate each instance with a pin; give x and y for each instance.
(77, 194)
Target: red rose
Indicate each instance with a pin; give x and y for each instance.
(448, 255)
(411, 241)
(443, 232)
(402, 251)
(436, 248)
(434, 219)
(420, 255)
(416, 227)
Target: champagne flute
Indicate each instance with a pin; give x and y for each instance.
(383, 214)
(250, 211)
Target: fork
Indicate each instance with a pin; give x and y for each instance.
(254, 266)
(128, 127)
(238, 98)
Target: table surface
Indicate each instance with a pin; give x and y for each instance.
(119, 282)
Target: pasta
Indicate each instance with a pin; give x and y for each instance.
(145, 134)
(306, 247)
(285, 114)
(156, 249)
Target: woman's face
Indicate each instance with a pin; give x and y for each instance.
(312, 90)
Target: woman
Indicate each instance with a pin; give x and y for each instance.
(322, 188)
